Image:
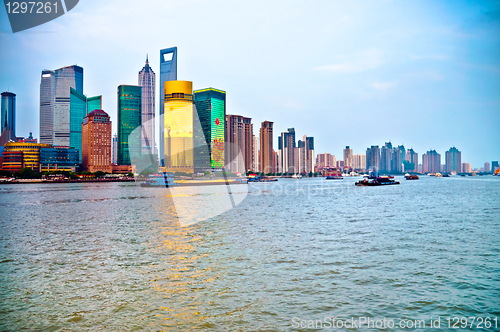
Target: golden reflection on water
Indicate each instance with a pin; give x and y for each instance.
(182, 276)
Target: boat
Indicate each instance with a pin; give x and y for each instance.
(446, 175)
(166, 180)
(296, 176)
(411, 177)
(379, 181)
(259, 178)
(334, 177)
(163, 179)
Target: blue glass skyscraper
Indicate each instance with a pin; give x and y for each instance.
(168, 72)
(8, 117)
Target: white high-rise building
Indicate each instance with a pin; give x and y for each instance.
(55, 114)
(147, 79)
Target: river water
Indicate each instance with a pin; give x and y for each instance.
(116, 257)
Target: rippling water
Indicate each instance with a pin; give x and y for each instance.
(113, 256)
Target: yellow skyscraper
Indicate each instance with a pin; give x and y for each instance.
(179, 126)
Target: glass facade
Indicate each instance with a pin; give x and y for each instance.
(168, 72)
(179, 127)
(129, 118)
(58, 158)
(80, 106)
(8, 116)
(65, 79)
(211, 109)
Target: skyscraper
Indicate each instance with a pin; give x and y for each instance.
(431, 162)
(168, 72)
(96, 142)
(286, 151)
(385, 158)
(147, 80)
(373, 158)
(211, 110)
(266, 154)
(129, 118)
(325, 160)
(453, 159)
(179, 127)
(239, 133)
(348, 156)
(79, 107)
(55, 114)
(411, 161)
(47, 102)
(8, 117)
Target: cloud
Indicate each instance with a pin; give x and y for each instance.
(382, 86)
(440, 57)
(360, 62)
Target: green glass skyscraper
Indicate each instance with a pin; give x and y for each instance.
(129, 118)
(211, 108)
(79, 107)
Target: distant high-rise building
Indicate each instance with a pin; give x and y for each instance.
(466, 168)
(147, 80)
(373, 158)
(431, 162)
(385, 158)
(286, 151)
(325, 160)
(239, 133)
(168, 72)
(8, 117)
(47, 102)
(304, 155)
(211, 110)
(266, 152)
(397, 159)
(79, 107)
(348, 156)
(494, 166)
(55, 116)
(487, 167)
(255, 156)
(179, 127)
(358, 162)
(453, 159)
(96, 142)
(114, 148)
(129, 118)
(411, 161)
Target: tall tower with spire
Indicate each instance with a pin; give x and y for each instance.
(147, 79)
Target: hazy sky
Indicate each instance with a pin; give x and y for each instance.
(425, 74)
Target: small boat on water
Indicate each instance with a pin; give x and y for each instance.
(334, 177)
(411, 177)
(379, 181)
(166, 180)
(163, 179)
(261, 179)
(296, 176)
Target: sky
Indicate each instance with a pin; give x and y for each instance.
(425, 73)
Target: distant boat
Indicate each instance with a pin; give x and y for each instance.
(446, 175)
(334, 177)
(379, 181)
(261, 179)
(166, 180)
(411, 177)
(296, 176)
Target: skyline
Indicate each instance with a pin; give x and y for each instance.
(435, 88)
